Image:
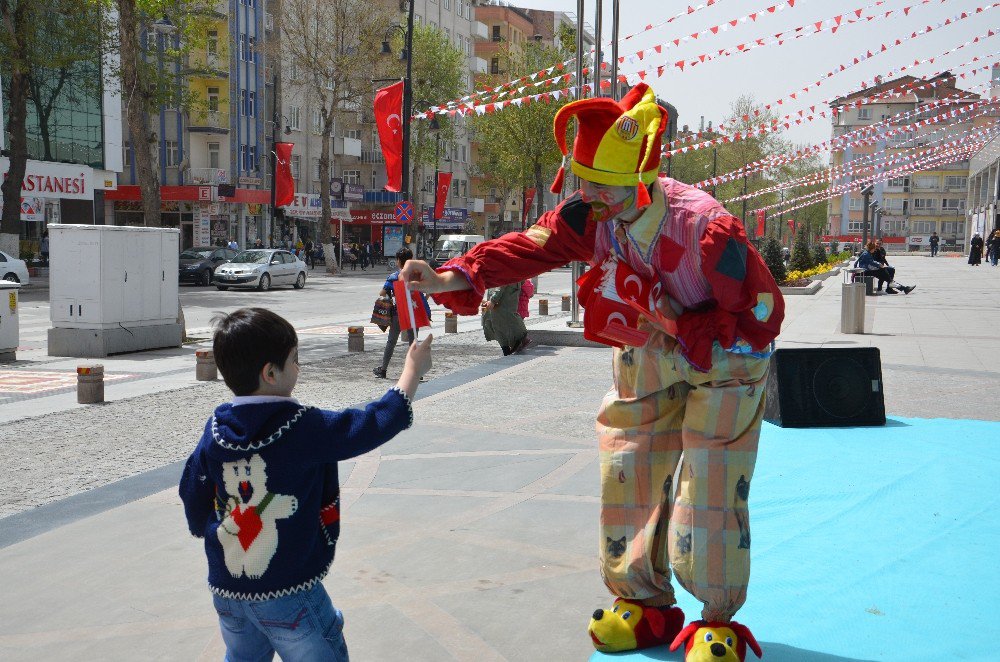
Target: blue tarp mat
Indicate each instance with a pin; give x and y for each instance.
(872, 544)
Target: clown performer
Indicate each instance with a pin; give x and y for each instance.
(692, 312)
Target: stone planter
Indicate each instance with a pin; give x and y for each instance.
(812, 288)
(824, 276)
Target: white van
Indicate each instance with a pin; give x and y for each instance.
(453, 245)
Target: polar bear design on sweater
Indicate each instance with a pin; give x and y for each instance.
(249, 531)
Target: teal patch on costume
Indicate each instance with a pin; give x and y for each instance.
(733, 262)
(760, 311)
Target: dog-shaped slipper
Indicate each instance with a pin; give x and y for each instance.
(711, 641)
(630, 626)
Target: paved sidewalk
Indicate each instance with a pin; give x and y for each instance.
(470, 537)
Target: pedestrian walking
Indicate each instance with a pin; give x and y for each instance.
(353, 257)
(501, 321)
(993, 247)
(309, 254)
(527, 291)
(976, 250)
(44, 248)
(688, 379)
(261, 488)
(402, 255)
(935, 240)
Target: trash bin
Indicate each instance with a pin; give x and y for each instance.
(852, 301)
(9, 324)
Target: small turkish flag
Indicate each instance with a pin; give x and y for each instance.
(409, 307)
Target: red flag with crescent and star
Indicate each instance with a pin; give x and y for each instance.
(284, 189)
(389, 120)
(441, 195)
(761, 222)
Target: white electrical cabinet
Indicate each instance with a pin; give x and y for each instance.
(119, 282)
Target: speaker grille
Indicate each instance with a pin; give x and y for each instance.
(841, 388)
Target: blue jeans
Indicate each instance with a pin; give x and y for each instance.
(301, 626)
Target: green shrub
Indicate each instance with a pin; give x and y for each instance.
(802, 256)
(771, 252)
(834, 245)
(819, 254)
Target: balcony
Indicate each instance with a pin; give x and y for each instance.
(210, 66)
(372, 156)
(924, 212)
(206, 176)
(209, 122)
(347, 147)
(480, 66)
(480, 31)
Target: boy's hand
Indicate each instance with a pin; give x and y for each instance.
(419, 356)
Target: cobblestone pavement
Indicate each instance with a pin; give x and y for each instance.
(48, 458)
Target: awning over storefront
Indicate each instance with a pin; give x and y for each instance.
(192, 194)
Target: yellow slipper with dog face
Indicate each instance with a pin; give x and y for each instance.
(712, 641)
(631, 626)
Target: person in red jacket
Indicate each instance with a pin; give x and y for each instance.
(692, 312)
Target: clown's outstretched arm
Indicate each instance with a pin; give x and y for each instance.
(559, 237)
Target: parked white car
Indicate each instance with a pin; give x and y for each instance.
(13, 269)
(261, 268)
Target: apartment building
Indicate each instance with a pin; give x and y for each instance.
(364, 207)
(509, 26)
(983, 201)
(919, 202)
(212, 157)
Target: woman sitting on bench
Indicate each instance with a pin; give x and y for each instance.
(875, 269)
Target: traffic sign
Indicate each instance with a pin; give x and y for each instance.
(404, 212)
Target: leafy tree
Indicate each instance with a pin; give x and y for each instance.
(145, 86)
(335, 46)
(42, 44)
(819, 254)
(802, 257)
(771, 252)
(515, 146)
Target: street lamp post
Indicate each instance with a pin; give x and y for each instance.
(407, 55)
(866, 194)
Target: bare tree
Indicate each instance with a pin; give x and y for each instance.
(335, 48)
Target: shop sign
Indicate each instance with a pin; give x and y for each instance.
(54, 180)
(454, 218)
(203, 226)
(920, 240)
(33, 209)
(249, 181)
(305, 205)
(354, 192)
(373, 216)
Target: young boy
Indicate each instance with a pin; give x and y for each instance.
(262, 489)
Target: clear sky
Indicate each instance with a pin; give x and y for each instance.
(772, 72)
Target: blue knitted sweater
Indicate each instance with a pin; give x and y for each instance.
(262, 489)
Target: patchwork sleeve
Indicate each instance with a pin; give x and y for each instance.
(559, 237)
(748, 304)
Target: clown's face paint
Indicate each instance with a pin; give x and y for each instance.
(607, 202)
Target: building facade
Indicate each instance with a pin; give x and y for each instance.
(919, 202)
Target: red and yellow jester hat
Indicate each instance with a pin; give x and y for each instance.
(617, 142)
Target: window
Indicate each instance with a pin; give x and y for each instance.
(251, 49)
(899, 182)
(293, 71)
(864, 113)
(351, 176)
(495, 65)
(951, 227)
(213, 99)
(446, 4)
(251, 104)
(352, 133)
(447, 35)
(854, 226)
(454, 187)
(243, 102)
(433, 24)
(317, 121)
(955, 182)
(464, 154)
(895, 204)
(464, 192)
(316, 170)
(212, 45)
(953, 204)
(296, 165)
(418, 19)
(251, 164)
(213, 155)
(128, 157)
(243, 47)
(171, 149)
(496, 33)
(294, 114)
(855, 204)
(923, 227)
(924, 203)
(926, 182)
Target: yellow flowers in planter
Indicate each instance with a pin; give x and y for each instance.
(815, 271)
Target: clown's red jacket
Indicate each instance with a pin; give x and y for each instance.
(719, 286)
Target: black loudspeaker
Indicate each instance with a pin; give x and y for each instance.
(825, 388)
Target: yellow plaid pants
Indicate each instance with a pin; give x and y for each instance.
(677, 453)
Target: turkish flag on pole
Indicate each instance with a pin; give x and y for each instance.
(284, 185)
(529, 197)
(441, 194)
(761, 222)
(389, 120)
(409, 307)
(791, 226)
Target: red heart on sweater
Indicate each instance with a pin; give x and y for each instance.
(250, 525)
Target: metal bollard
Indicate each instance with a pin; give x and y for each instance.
(450, 323)
(355, 339)
(543, 307)
(565, 303)
(89, 384)
(205, 369)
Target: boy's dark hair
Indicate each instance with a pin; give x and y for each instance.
(404, 254)
(245, 341)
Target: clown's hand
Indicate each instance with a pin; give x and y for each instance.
(418, 275)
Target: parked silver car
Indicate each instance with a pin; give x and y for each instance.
(261, 268)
